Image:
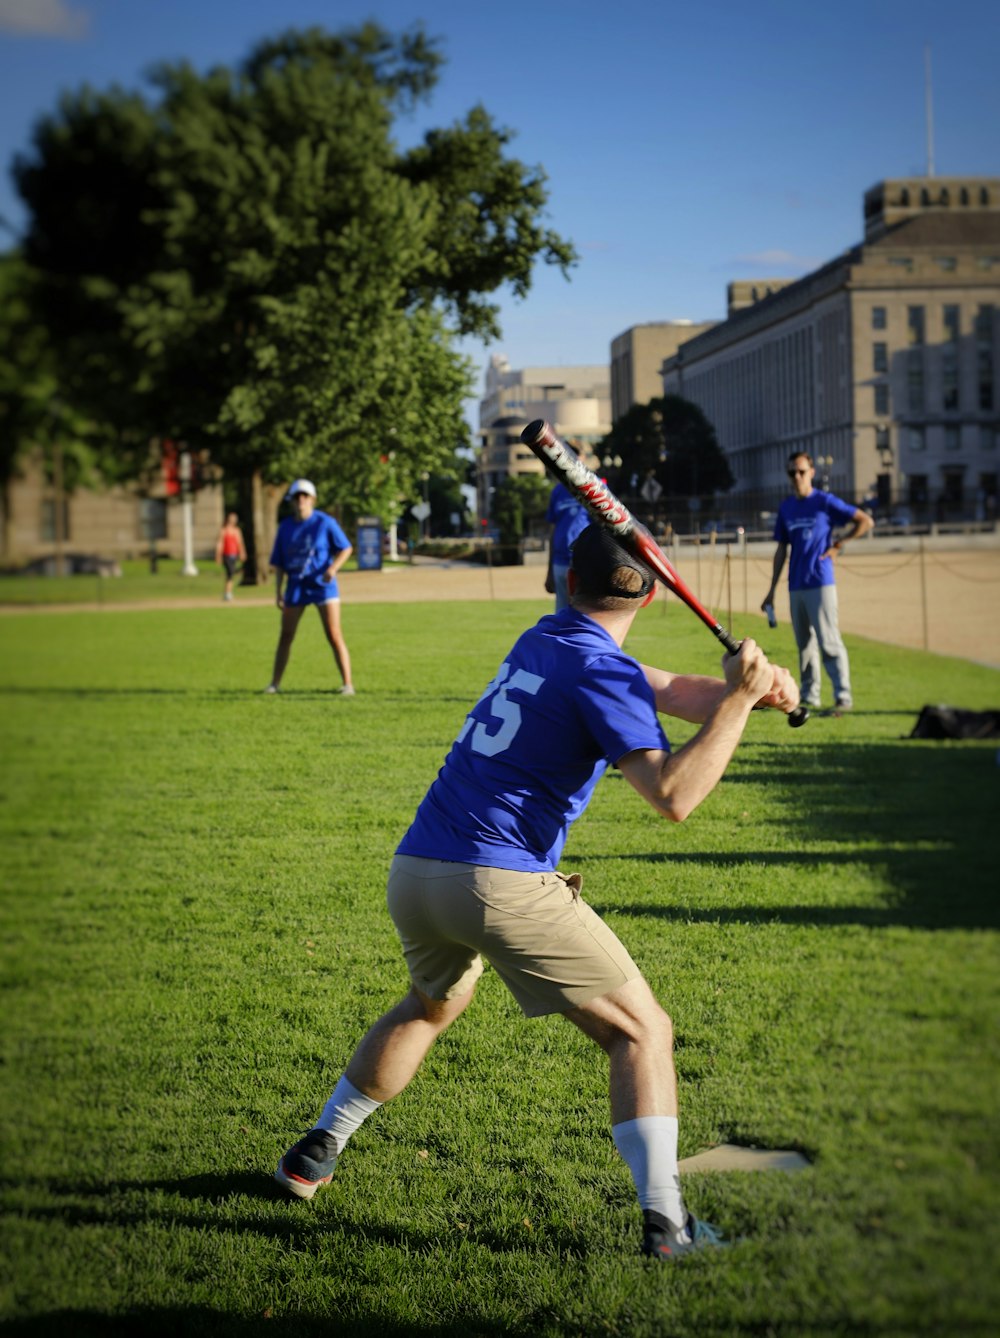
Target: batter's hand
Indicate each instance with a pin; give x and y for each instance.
(748, 671)
(784, 693)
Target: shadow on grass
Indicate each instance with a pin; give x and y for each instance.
(922, 813)
(253, 1202)
(195, 1321)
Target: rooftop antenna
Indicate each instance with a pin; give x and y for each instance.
(929, 109)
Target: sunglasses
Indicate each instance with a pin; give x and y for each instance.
(792, 472)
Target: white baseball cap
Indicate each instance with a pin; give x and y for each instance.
(300, 485)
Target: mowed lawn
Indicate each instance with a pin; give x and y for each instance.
(194, 936)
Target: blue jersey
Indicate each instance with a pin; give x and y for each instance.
(565, 703)
(304, 549)
(806, 524)
(570, 518)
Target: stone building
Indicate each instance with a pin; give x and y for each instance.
(637, 356)
(575, 400)
(39, 521)
(882, 364)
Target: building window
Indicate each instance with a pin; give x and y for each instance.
(984, 376)
(904, 262)
(988, 433)
(947, 263)
(917, 440)
(949, 379)
(47, 520)
(153, 518)
(915, 324)
(984, 324)
(952, 324)
(882, 439)
(880, 357)
(952, 437)
(882, 397)
(878, 318)
(915, 383)
(963, 195)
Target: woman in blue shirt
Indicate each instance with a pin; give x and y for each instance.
(309, 549)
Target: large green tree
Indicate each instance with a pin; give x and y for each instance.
(246, 261)
(669, 439)
(33, 415)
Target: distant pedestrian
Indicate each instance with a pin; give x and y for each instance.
(805, 523)
(230, 551)
(309, 549)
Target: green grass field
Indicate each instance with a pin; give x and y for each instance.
(136, 585)
(194, 936)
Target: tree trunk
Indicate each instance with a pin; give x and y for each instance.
(257, 509)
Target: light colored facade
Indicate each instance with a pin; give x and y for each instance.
(114, 523)
(575, 400)
(884, 365)
(637, 355)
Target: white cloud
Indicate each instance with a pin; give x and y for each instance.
(43, 18)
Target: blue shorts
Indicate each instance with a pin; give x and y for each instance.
(300, 593)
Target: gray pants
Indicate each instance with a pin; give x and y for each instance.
(814, 622)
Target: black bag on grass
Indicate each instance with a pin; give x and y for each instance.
(951, 722)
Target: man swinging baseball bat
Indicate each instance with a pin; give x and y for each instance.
(476, 877)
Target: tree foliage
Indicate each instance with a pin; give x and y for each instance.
(519, 500)
(246, 261)
(671, 440)
(33, 415)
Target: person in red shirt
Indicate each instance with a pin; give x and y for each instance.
(230, 551)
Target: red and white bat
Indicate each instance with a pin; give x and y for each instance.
(566, 468)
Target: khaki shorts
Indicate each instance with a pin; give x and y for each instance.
(550, 949)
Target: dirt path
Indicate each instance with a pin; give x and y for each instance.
(944, 601)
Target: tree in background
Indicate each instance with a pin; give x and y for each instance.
(33, 416)
(248, 264)
(518, 502)
(671, 440)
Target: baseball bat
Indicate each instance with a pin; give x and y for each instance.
(605, 507)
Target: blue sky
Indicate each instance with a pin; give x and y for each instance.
(686, 144)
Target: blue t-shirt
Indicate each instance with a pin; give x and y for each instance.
(806, 524)
(570, 518)
(565, 703)
(304, 549)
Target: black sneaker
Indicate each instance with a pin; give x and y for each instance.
(659, 1240)
(308, 1164)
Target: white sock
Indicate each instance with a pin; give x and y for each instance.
(345, 1112)
(648, 1146)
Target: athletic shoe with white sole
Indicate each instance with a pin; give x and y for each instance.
(271, 689)
(347, 691)
(308, 1164)
(659, 1240)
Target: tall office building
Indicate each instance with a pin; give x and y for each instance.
(637, 356)
(882, 364)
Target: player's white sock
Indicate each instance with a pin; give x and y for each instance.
(345, 1112)
(648, 1147)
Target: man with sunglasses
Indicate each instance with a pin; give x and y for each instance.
(806, 524)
